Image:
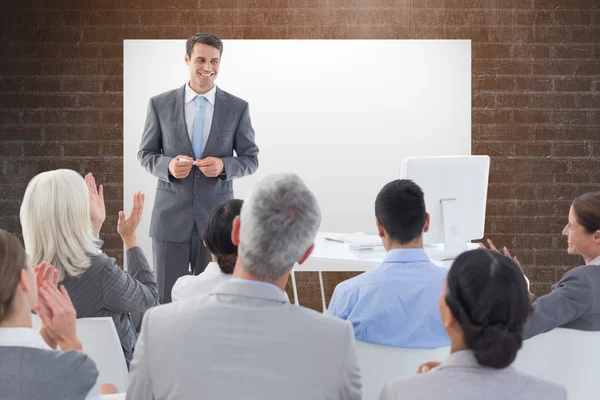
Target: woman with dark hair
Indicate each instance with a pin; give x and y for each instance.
(484, 307)
(217, 239)
(574, 301)
(30, 366)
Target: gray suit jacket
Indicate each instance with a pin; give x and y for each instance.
(460, 377)
(37, 374)
(243, 341)
(573, 303)
(165, 137)
(105, 290)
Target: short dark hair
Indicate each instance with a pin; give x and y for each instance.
(400, 209)
(209, 39)
(217, 234)
(587, 209)
(487, 294)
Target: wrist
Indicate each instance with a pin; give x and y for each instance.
(70, 344)
(129, 241)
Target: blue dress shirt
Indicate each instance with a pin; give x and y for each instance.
(396, 303)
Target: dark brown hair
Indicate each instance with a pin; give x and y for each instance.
(209, 39)
(587, 209)
(12, 261)
(217, 234)
(487, 294)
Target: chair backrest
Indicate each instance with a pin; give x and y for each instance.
(100, 341)
(381, 364)
(36, 322)
(564, 356)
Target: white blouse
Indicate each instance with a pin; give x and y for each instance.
(200, 285)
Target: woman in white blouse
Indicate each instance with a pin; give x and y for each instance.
(217, 239)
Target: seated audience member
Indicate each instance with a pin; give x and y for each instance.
(574, 301)
(394, 304)
(217, 239)
(484, 307)
(29, 368)
(61, 218)
(245, 340)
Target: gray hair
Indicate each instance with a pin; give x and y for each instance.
(279, 222)
(55, 218)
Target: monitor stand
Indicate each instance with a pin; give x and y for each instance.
(454, 243)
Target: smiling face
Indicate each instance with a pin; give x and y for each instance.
(580, 241)
(204, 67)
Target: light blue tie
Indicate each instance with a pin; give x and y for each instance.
(198, 136)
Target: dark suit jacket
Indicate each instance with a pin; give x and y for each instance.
(179, 203)
(105, 290)
(573, 303)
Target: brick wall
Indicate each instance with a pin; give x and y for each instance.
(536, 95)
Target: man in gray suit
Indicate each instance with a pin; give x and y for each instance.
(245, 340)
(188, 143)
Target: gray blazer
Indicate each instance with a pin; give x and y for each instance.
(36, 374)
(573, 303)
(243, 341)
(165, 137)
(460, 377)
(105, 290)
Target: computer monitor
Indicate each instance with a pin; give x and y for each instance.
(455, 190)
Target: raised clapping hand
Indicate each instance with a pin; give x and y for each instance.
(127, 226)
(504, 250)
(56, 310)
(181, 166)
(97, 208)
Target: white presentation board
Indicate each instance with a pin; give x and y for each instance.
(340, 113)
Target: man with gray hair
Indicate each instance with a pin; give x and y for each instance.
(245, 340)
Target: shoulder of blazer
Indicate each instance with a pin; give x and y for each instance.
(169, 95)
(231, 99)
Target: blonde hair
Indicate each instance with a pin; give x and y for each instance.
(55, 218)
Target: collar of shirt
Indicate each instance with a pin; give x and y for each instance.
(255, 282)
(595, 261)
(406, 256)
(461, 358)
(22, 337)
(213, 269)
(190, 94)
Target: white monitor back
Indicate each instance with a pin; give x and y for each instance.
(464, 178)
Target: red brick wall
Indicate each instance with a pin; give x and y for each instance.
(536, 95)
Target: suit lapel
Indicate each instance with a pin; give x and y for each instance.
(217, 122)
(179, 119)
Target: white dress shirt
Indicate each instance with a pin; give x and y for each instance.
(200, 285)
(190, 111)
(27, 337)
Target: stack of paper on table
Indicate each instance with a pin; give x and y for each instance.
(360, 241)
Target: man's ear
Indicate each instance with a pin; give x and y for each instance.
(306, 254)
(23, 281)
(380, 230)
(235, 231)
(427, 222)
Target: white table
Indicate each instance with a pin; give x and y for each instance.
(331, 256)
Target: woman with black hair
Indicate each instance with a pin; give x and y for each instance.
(484, 307)
(217, 239)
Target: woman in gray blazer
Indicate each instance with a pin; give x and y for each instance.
(61, 216)
(484, 307)
(30, 366)
(574, 301)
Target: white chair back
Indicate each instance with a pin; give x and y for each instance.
(564, 356)
(36, 322)
(100, 341)
(381, 364)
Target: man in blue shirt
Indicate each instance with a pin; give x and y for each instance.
(395, 304)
